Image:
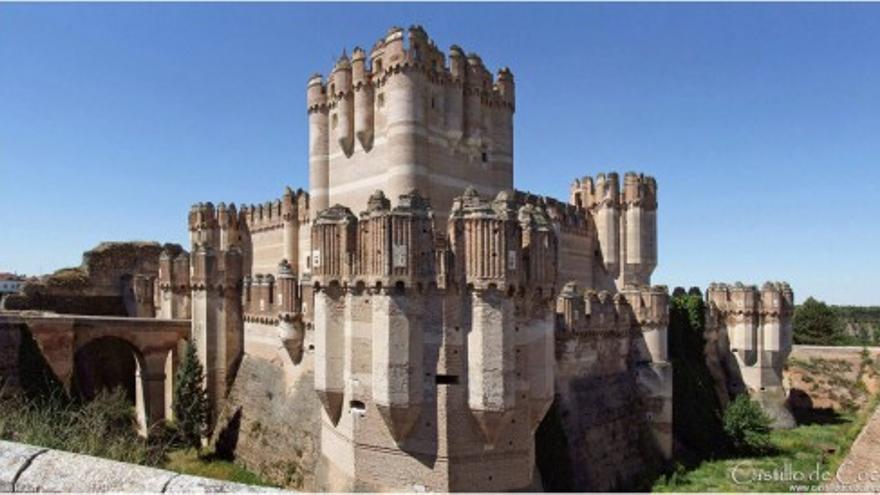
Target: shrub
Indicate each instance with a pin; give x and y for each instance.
(747, 426)
(191, 409)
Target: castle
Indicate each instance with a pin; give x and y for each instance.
(408, 322)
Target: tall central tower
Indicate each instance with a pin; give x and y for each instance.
(409, 119)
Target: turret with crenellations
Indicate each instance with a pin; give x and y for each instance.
(410, 118)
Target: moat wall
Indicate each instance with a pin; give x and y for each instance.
(270, 421)
(597, 436)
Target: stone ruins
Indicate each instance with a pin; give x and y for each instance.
(407, 323)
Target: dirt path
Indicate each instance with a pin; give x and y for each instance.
(860, 470)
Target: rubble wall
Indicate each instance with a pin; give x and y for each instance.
(596, 436)
(271, 418)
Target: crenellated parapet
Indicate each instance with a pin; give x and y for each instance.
(758, 321)
(217, 227)
(625, 220)
(390, 56)
(631, 312)
(750, 335)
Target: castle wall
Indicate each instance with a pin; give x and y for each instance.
(439, 446)
(268, 250)
(613, 405)
(270, 420)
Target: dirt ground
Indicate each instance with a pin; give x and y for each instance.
(836, 378)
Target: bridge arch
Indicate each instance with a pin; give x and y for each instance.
(154, 345)
(146, 374)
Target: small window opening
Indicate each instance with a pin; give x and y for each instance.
(357, 407)
(485, 157)
(446, 379)
(334, 120)
(433, 102)
(381, 100)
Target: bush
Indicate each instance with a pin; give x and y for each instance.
(747, 426)
(191, 409)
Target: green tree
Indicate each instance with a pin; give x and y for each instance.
(817, 324)
(747, 426)
(693, 388)
(191, 409)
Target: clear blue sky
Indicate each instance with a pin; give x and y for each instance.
(760, 122)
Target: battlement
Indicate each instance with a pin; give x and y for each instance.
(498, 243)
(404, 50)
(293, 205)
(603, 311)
(773, 299)
(605, 190)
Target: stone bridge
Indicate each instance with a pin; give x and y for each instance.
(91, 351)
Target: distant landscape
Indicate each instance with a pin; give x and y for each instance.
(816, 323)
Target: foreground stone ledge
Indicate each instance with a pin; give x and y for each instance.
(14, 458)
(25, 468)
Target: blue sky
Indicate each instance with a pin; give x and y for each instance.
(761, 122)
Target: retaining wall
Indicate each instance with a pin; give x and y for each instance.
(26, 468)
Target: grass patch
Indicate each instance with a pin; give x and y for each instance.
(819, 447)
(189, 461)
(104, 427)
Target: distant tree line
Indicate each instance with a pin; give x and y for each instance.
(816, 323)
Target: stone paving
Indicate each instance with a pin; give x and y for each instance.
(860, 470)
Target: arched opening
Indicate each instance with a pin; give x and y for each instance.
(105, 364)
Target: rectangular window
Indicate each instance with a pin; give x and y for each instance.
(447, 379)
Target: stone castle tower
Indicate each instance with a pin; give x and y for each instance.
(407, 117)
(421, 314)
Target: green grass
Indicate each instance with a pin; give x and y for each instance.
(188, 461)
(810, 448)
(105, 427)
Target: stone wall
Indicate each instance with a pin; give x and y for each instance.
(103, 284)
(10, 342)
(597, 436)
(26, 468)
(271, 418)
